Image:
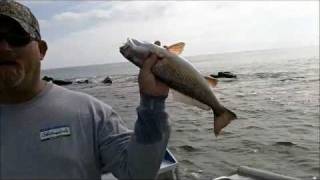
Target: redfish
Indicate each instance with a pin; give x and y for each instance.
(186, 82)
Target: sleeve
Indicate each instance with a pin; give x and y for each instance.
(134, 154)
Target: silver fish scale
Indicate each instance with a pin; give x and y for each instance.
(181, 76)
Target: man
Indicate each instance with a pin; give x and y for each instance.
(48, 132)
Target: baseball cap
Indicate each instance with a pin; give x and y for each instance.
(22, 15)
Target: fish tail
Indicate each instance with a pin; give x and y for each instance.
(222, 120)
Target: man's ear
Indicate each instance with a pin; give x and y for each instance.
(43, 48)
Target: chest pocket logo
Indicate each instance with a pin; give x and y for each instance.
(54, 132)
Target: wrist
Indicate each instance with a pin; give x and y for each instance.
(152, 102)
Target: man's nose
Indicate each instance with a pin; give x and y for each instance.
(4, 45)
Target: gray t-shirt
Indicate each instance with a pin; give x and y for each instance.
(62, 134)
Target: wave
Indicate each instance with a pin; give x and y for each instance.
(188, 148)
(285, 143)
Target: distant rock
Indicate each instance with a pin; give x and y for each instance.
(107, 80)
(56, 81)
(82, 81)
(225, 74)
(48, 79)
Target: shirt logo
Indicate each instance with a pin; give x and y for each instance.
(54, 132)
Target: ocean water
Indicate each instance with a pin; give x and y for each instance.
(275, 96)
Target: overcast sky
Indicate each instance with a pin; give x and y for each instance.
(90, 32)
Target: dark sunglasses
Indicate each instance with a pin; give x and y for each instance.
(15, 39)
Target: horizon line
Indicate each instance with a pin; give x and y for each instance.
(189, 56)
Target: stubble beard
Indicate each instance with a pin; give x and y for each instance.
(10, 79)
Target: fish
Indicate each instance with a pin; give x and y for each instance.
(186, 83)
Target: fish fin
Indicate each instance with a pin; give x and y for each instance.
(222, 120)
(176, 48)
(211, 81)
(177, 96)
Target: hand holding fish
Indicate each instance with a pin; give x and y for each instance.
(148, 83)
(186, 83)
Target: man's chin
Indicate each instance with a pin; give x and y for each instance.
(10, 79)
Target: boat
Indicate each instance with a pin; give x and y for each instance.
(169, 171)
(249, 173)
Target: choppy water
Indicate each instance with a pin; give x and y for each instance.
(276, 98)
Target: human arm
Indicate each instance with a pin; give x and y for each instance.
(139, 155)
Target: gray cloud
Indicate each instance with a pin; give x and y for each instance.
(92, 33)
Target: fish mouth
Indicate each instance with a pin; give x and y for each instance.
(125, 51)
(134, 51)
